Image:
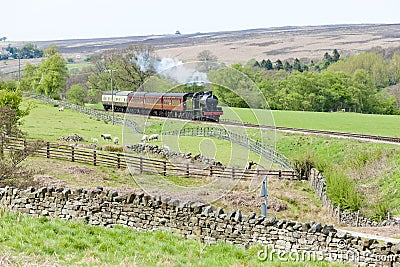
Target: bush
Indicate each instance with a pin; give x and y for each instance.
(342, 190)
(380, 210)
(113, 148)
(303, 163)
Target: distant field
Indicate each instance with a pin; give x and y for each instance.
(386, 125)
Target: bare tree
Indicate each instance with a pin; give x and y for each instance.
(208, 60)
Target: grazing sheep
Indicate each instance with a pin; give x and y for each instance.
(106, 136)
(116, 140)
(94, 140)
(250, 164)
(153, 137)
(61, 109)
(145, 138)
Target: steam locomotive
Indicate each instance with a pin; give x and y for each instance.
(194, 106)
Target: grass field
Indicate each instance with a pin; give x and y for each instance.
(372, 167)
(25, 240)
(385, 125)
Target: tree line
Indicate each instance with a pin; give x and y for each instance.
(296, 64)
(356, 84)
(25, 52)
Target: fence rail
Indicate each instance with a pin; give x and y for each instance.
(236, 138)
(140, 165)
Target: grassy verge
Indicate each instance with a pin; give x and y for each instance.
(359, 174)
(24, 239)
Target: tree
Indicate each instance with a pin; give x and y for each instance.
(11, 172)
(297, 65)
(336, 55)
(268, 65)
(208, 59)
(134, 65)
(287, 66)
(76, 94)
(53, 73)
(278, 65)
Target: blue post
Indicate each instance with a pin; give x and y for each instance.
(264, 193)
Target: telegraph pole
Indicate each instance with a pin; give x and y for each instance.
(112, 93)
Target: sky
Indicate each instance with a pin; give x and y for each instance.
(41, 20)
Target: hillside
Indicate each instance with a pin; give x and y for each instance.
(240, 46)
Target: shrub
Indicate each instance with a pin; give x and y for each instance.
(342, 190)
(113, 148)
(303, 163)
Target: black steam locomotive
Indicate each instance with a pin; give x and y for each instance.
(194, 106)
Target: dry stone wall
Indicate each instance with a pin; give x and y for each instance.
(203, 222)
(352, 219)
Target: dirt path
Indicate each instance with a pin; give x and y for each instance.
(385, 233)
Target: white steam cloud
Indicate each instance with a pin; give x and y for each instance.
(172, 68)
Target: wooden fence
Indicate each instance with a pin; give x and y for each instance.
(142, 165)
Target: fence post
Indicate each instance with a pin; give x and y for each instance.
(280, 174)
(48, 150)
(94, 158)
(118, 161)
(358, 216)
(211, 170)
(187, 170)
(25, 148)
(338, 213)
(165, 167)
(141, 165)
(233, 172)
(72, 153)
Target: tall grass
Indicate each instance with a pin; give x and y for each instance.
(342, 190)
(25, 239)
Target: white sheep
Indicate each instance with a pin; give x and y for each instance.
(145, 138)
(106, 136)
(166, 148)
(153, 137)
(61, 109)
(94, 140)
(116, 140)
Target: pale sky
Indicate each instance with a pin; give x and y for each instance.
(34, 20)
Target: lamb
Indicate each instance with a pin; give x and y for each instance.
(250, 164)
(61, 109)
(94, 140)
(116, 140)
(153, 137)
(106, 136)
(145, 138)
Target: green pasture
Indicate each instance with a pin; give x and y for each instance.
(72, 67)
(371, 168)
(25, 239)
(47, 123)
(385, 125)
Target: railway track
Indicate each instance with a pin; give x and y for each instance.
(367, 137)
